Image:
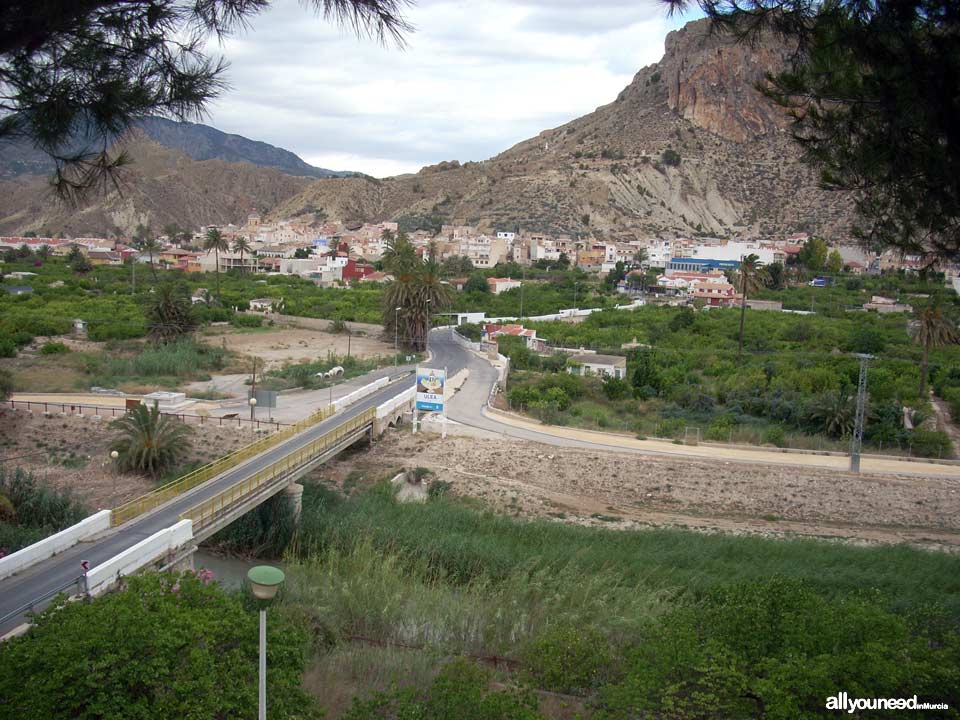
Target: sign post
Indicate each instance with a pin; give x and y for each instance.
(431, 384)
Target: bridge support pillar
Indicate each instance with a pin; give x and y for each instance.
(294, 494)
(182, 561)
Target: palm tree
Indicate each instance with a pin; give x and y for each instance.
(416, 290)
(640, 256)
(218, 243)
(833, 413)
(169, 315)
(242, 245)
(149, 442)
(149, 245)
(749, 281)
(931, 329)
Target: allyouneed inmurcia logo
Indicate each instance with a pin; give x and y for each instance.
(844, 703)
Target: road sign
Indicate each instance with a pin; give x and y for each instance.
(430, 385)
(85, 564)
(265, 398)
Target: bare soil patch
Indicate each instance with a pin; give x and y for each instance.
(624, 490)
(292, 344)
(73, 452)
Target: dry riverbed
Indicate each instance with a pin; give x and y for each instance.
(626, 490)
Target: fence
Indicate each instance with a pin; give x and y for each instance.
(112, 411)
(212, 508)
(162, 494)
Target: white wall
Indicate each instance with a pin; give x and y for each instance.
(406, 397)
(145, 552)
(48, 547)
(338, 405)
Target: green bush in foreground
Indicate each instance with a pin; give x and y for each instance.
(168, 646)
(777, 649)
(460, 692)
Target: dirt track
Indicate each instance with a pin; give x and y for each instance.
(624, 490)
(294, 344)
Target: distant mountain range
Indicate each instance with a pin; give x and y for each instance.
(200, 142)
(688, 147)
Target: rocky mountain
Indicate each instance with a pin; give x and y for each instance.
(200, 142)
(689, 146)
(161, 186)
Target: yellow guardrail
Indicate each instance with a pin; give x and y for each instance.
(156, 498)
(203, 512)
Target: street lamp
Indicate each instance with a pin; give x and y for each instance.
(265, 581)
(396, 334)
(426, 339)
(113, 456)
(575, 286)
(253, 406)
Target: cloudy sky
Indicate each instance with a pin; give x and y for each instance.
(476, 77)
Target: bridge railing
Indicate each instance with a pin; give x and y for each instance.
(162, 494)
(205, 511)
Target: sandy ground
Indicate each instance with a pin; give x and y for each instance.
(619, 490)
(290, 344)
(44, 446)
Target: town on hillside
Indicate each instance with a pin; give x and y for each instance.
(336, 254)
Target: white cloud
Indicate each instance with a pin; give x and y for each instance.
(476, 78)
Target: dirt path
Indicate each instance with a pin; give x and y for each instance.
(945, 421)
(620, 490)
(759, 455)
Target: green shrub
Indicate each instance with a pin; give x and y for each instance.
(930, 444)
(40, 510)
(246, 321)
(167, 646)
(8, 348)
(670, 157)
(570, 659)
(775, 648)
(54, 348)
(775, 435)
(616, 388)
(459, 692)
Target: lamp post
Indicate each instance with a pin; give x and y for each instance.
(113, 456)
(265, 581)
(426, 338)
(575, 286)
(396, 335)
(253, 407)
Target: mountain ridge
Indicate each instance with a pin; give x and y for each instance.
(688, 147)
(196, 140)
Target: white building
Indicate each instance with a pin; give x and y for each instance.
(483, 251)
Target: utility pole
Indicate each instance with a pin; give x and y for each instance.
(857, 438)
(523, 276)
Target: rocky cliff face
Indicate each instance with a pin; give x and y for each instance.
(711, 81)
(734, 169)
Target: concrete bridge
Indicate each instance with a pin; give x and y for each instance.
(162, 529)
